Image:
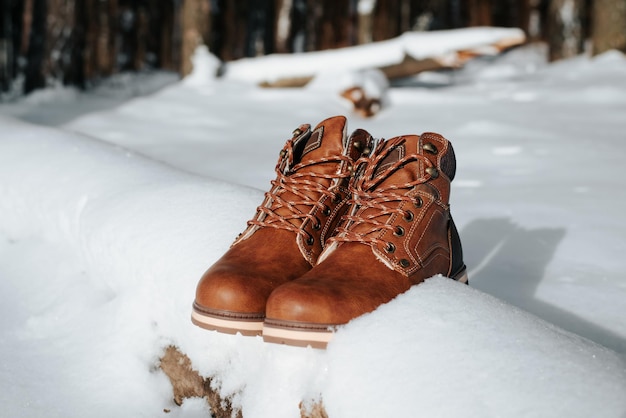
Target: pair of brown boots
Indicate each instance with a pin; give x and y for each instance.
(345, 228)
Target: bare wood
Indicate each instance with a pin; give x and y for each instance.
(187, 383)
(315, 410)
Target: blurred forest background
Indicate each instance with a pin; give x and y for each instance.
(78, 42)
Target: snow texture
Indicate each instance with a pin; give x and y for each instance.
(108, 221)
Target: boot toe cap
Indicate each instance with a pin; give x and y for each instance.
(307, 304)
(232, 293)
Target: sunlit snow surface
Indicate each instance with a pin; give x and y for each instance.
(107, 222)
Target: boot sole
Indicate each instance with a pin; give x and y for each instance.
(227, 322)
(300, 334)
(297, 334)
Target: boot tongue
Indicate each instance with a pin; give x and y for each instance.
(401, 175)
(326, 140)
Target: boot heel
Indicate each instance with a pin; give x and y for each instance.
(462, 276)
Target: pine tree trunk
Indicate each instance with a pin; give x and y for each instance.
(164, 24)
(365, 12)
(59, 40)
(76, 73)
(334, 26)
(232, 28)
(609, 25)
(11, 12)
(196, 27)
(282, 26)
(480, 13)
(565, 34)
(298, 31)
(34, 75)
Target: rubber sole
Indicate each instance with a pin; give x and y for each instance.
(227, 322)
(296, 334)
(300, 334)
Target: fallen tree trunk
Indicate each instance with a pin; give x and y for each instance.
(410, 63)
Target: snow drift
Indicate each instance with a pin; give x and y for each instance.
(116, 243)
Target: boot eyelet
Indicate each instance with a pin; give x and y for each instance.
(310, 241)
(430, 148)
(399, 232)
(337, 198)
(326, 211)
(408, 216)
(432, 172)
(316, 226)
(389, 247)
(418, 202)
(404, 263)
(296, 132)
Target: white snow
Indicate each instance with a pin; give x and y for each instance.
(205, 67)
(108, 221)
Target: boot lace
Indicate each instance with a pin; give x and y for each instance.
(367, 194)
(305, 185)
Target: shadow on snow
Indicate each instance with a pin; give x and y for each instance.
(509, 262)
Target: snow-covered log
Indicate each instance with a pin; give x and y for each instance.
(406, 55)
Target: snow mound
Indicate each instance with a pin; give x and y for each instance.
(451, 351)
(113, 245)
(205, 68)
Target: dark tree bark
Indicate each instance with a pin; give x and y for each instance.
(565, 28)
(335, 26)
(11, 19)
(76, 72)
(437, 14)
(480, 13)
(260, 28)
(34, 77)
(128, 33)
(165, 21)
(385, 21)
(231, 20)
(299, 31)
(60, 41)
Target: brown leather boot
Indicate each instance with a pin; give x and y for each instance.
(399, 232)
(288, 232)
